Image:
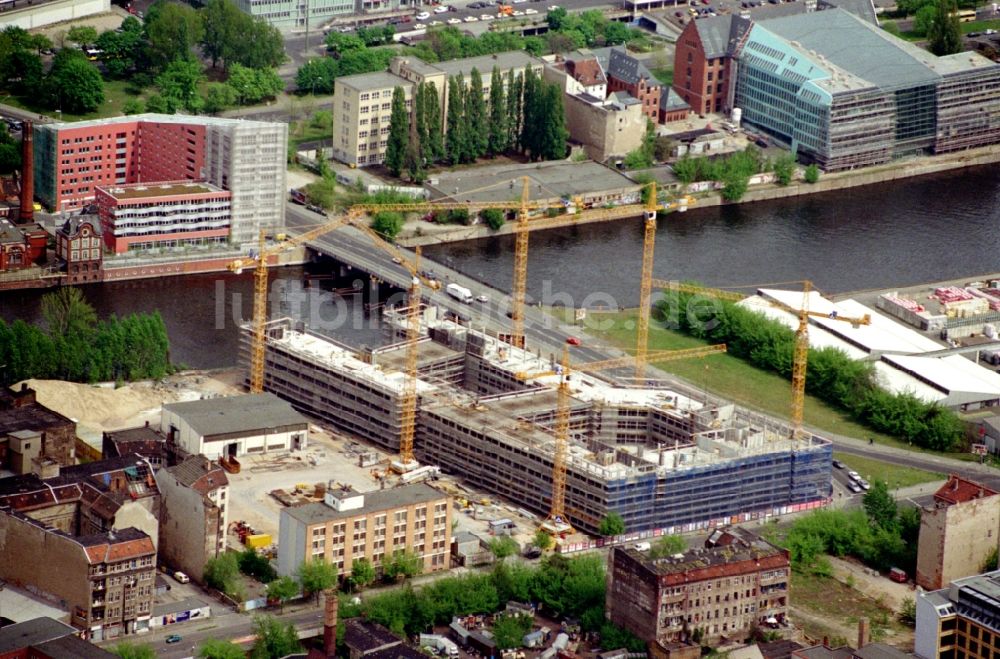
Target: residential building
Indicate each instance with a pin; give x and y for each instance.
(194, 514)
(703, 64)
(87, 499)
(350, 525)
(170, 214)
(46, 638)
(234, 426)
(607, 128)
(578, 73)
(836, 88)
(362, 104)
(145, 441)
(672, 106)
(959, 530)
(106, 579)
(726, 589)
(626, 73)
(245, 158)
(21, 246)
(961, 621)
(21, 410)
(79, 248)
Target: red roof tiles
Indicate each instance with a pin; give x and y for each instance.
(961, 490)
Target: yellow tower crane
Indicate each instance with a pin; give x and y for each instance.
(800, 355)
(258, 341)
(557, 522)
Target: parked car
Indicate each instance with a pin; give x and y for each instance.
(574, 341)
(864, 485)
(483, 298)
(423, 16)
(173, 638)
(853, 475)
(838, 464)
(854, 487)
(181, 577)
(440, 9)
(897, 575)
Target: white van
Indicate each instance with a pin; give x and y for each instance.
(181, 577)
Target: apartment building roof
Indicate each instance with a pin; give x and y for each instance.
(200, 474)
(236, 415)
(32, 632)
(15, 415)
(586, 70)
(114, 546)
(146, 190)
(376, 80)
(628, 69)
(397, 497)
(961, 490)
(184, 119)
(72, 225)
(72, 647)
(514, 59)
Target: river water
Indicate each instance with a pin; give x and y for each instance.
(931, 228)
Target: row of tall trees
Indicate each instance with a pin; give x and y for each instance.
(522, 113)
(76, 346)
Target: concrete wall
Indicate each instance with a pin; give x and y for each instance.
(603, 131)
(187, 527)
(291, 544)
(142, 514)
(927, 633)
(29, 16)
(956, 540)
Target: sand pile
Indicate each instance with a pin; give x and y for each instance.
(101, 407)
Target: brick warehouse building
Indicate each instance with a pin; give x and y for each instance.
(245, 158)
(725, 589)
(702, 66)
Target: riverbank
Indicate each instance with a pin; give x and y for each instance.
(417, 232)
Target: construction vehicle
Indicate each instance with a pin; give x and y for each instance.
(504, 10)
(557, 523)
(800, 355)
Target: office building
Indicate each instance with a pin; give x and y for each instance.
(350, 525)
(244, 158)
(727, 589)
(961, 621)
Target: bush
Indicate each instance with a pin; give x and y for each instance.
(493, 218)
(784, 168)
(388, 224)
(812, 174)
(254, 565)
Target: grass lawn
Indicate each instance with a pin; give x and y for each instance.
(980, 26)
(831, 608)
(664, 75)
(895, 475)
(116, 92)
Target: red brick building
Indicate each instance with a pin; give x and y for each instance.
(78, 248)
(21, 246)
(724, 590)
(702, 62)
(171, 214)
(628, 74)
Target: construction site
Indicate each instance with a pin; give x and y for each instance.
(663, 458)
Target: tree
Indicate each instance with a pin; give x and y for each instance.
(316, 76)
(556, 18)
(315, 576)
(254, 85)
(945, 34)
(179, 81)
(734, 186)
(338, 42)
(161, 105)
(433, 147)
(282, 589)
(498, 125)
(668, 545)
(531, 111)
(455, 138)
(399, 125)
(616, 33)
(542, 540)
(663, 148)
(84, 35)
(923, 20)
(254, 565)
(503, 547)
(218, 97)
(68, 314)
(784, 168)
(476, 117)
(222, 572)
(219, 649)
(235, 37)
(362, 572)
(403, 565)
(75, 85)
(509, 630)
(514, 110)
(127, 650)
(881, 507)
(612, 524)
(413, 159)
(172, 30)
(811, 174)
(274, 639)
(908, 612)
(40, 42)
(493, 218)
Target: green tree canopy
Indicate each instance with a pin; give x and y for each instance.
(499, 130)
(477, 141)
(274, 638)
(881, 507)
(129, 650)
(254, 85)
(399, 129)
(172, 31)
(180, 81)
(85, 35)
(456, 136)
(944, 34)
(68, 314)
(282, 589)
(504, 546)
(222, 572)
(74, 84)
(315, 576)
(612, 524)
(668, 545)
(402, 565)
(219, 649)
(387, 224)
(362, 572)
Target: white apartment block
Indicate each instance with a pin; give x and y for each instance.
(362, 104)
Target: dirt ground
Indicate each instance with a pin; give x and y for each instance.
(877, 587)
(109, 20)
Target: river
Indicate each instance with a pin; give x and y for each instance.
(931, 228)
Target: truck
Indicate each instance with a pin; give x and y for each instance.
(445, 646)
(460, 293)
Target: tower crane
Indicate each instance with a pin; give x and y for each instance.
(258, 341)
(557, 523)
(800, 355)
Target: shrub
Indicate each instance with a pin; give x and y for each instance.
(812, 174)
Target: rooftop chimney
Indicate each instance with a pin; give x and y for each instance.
(27, 213)
(330, 623)
(864, 632)
(826, 641)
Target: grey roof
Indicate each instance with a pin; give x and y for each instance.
(626, 68)
(964, 61)
(397, 497)
(199, 120)
(863, 9)
(71, 226)
(366, 636)
(72, 647)
(515, 59)
(823, 652)
(672, 101)
(625, 98)
(857, 47)
(881, 651)
(376, 80)
(30, 632)
(720, 34)
(237, 414)
(9, 233)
